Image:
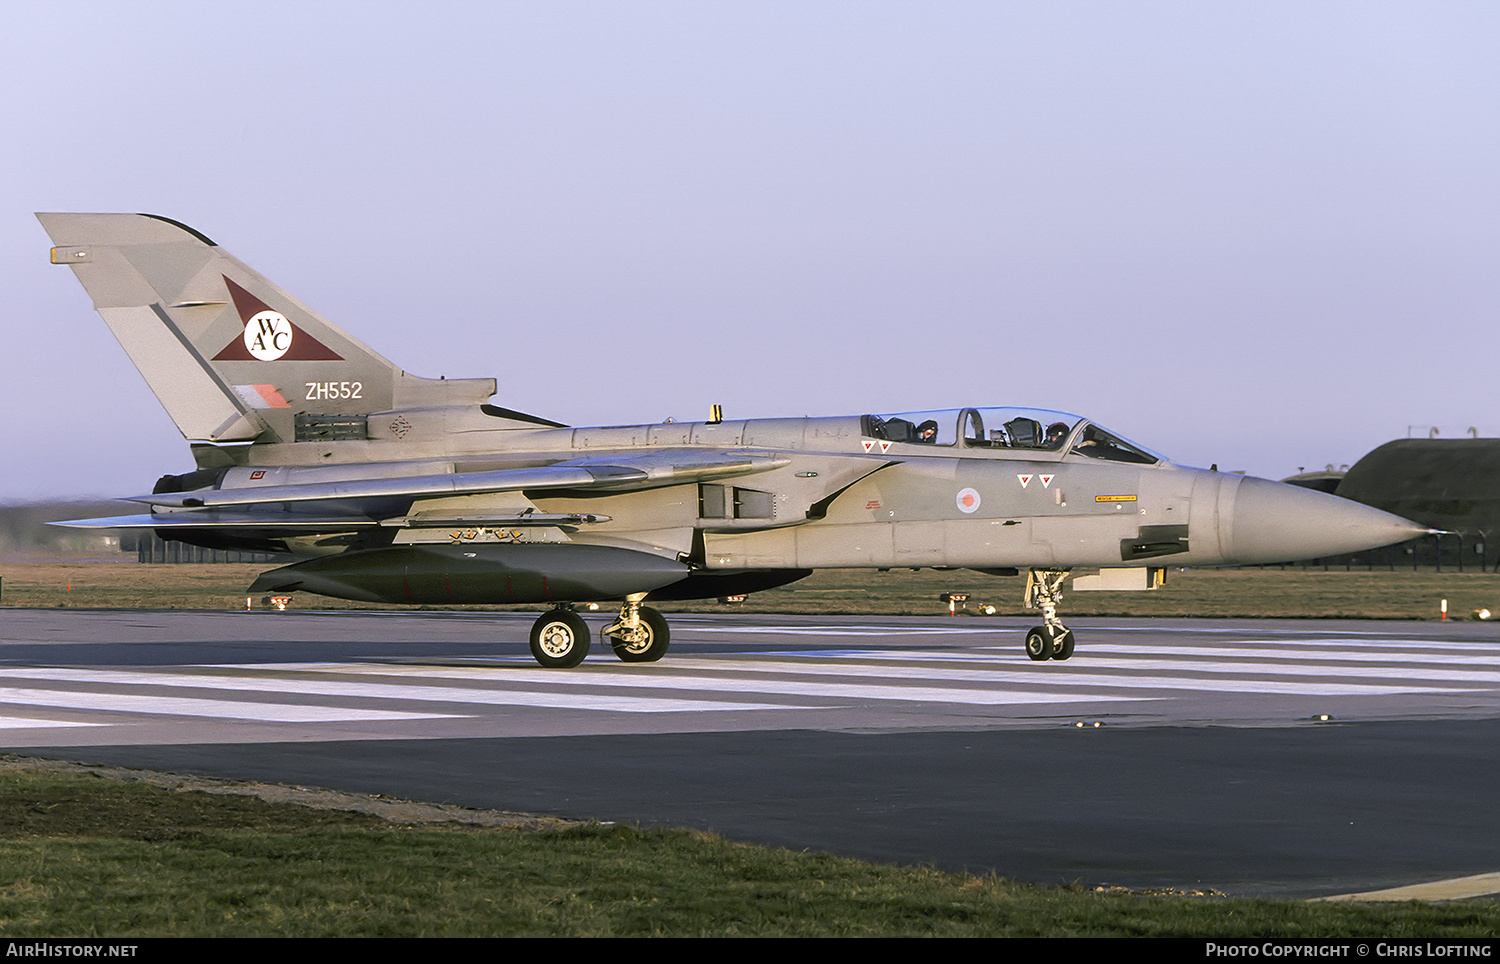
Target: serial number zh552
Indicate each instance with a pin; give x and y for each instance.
(321, 390)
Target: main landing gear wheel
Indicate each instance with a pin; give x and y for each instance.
(647, 642)
(560, 639)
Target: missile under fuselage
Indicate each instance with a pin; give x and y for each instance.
(478, 574)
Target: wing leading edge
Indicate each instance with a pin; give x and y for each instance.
(325, 505)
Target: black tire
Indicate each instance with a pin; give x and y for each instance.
(1039, 644)
(1062, 644)
(650, 649)
(560, 639)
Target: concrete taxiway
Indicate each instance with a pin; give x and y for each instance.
(918, 740)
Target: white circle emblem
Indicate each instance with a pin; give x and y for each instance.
(968, 500)
(268, 335)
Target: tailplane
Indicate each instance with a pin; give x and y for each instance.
(232, 357)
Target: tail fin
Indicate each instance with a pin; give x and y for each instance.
(231, 356)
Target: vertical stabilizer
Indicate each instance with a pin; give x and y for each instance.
(231, 356)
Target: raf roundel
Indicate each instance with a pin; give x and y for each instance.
(268, 335)
(968, 500)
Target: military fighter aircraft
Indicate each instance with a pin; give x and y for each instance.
(405, 489)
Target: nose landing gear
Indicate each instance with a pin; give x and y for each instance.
(1051, 640)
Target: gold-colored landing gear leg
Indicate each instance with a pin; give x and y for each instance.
(639, 634)
(1051, 640)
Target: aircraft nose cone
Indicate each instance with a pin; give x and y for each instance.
(1273, 522)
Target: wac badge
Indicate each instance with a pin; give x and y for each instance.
(269, 335)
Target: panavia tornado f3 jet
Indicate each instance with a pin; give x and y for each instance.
(404, 489)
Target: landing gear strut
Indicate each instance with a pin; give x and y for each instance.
(639, 634)
(1051, 640)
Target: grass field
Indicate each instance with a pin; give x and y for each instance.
(106, 854)
(1268, 593)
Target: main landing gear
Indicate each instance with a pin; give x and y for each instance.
(1051, 640)
(560, 638)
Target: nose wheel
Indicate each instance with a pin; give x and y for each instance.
(1044, 643)
(1051, 640)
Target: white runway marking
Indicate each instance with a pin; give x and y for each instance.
(214, 709)
(845, 630)
(956, 679)
(1412, 674)
(30, 723)
(728, 682)
(1074, 676)
(321, 687)
(1341, 650)
(373, 691)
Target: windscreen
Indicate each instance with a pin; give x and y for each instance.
(1096, 443)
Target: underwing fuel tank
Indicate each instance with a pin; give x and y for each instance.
(1259, 521)
(478, 574)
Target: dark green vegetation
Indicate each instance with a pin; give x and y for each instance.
(1291, 593)
(85, 855)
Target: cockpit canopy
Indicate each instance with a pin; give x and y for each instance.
(1012, 429)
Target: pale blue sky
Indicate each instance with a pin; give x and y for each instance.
(1258, 234)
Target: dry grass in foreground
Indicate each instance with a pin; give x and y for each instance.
(87, 852)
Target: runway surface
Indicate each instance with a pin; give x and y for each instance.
(918, 740)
